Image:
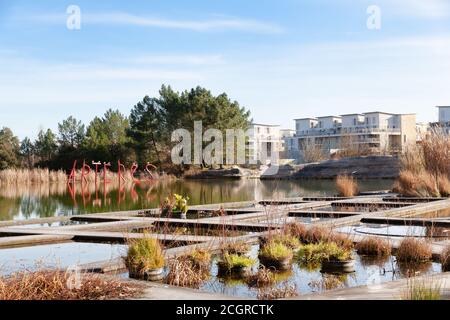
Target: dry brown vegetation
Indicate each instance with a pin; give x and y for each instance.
(413, 250)
(53, 285)
(318, 234)
(285, 291)
(425, 169)
(33, 176)
(445, 259)
(184, 273)
(373, 246)
(346, 186)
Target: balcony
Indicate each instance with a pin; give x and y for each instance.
(345, 131)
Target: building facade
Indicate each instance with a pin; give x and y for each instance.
(264, 143)
(373, 132)
(444, 119)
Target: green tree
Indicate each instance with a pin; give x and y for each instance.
(154, 119)
(107, 137)
(9, 149)
(45, 145)
(146, 129)
(71, 133)
(27, 151)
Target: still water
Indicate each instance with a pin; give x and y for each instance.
(28, 202)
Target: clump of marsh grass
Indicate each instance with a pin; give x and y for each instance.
(144, 254)
(53, 285)
(324, 251)
(413, 251)
(422, 289)
(318, 234)
(295, 229)
(346, 186)
(275, 251)
(373, 246)
(426, 168)
(445, 259)
(235, 247)
(183, 273)
(200, 258)
(283, 292)
(286, 239)
(231, 262)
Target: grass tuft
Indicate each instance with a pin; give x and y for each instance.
(144, 254)
(347, 186)
(373, 246)
(413, 250)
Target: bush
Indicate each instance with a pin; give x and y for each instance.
(373, 246)
(413, 250)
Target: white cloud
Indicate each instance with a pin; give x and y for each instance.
(127, 19)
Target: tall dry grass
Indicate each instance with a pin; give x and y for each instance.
(425, 169)
(53, 285)
(347, 186)
(33, 176)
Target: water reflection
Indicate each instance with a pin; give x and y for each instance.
(39, 201)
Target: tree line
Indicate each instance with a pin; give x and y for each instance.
(142, 136)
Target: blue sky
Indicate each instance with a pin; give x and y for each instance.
(281, 59)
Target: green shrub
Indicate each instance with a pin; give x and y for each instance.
(275, 251)
(144, 254)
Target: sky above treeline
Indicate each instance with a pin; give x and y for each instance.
(281, 59)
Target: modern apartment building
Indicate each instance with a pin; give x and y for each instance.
(374, 132)
(444, 119)
(264, 143)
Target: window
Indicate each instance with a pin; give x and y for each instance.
(354, 121)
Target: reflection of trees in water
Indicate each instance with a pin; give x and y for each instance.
(48, 200)
(9, 208)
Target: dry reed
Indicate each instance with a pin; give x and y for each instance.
(53, 285)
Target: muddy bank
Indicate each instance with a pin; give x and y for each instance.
(371, 167)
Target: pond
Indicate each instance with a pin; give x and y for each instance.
(58, 255)
(28, 202)
(307, 279)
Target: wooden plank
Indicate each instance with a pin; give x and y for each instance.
(81, 235)
(29, 240)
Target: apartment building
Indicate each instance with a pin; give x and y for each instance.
(264, 143)
(444, 119)
(374, 132)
